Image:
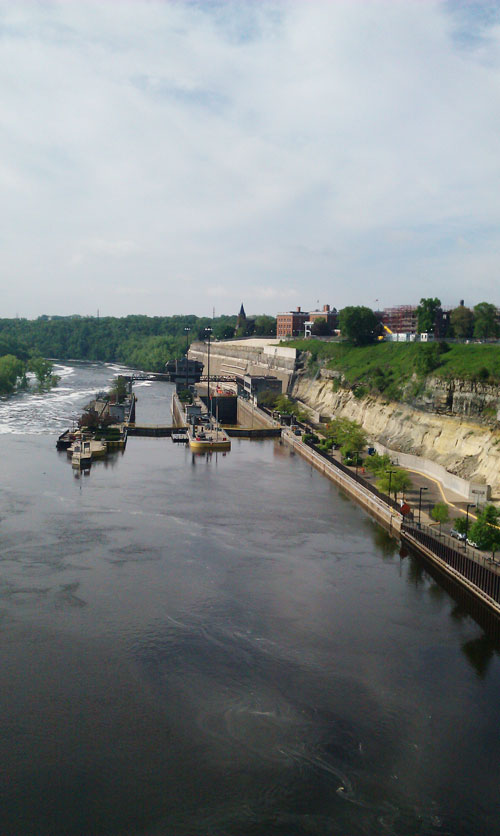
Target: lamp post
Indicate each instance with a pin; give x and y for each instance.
(469, 505)
(187, 330)
(209, 404)
(390, 472)
(356, 453)
(420, 503)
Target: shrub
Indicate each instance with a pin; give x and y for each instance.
(312, 438)
(483, 373)
(399, 481)
(378, 464)
(440, 513)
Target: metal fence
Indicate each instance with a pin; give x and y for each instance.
(475, 568)
(355, 477)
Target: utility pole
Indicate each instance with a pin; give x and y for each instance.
(187, 330)
(209, 403)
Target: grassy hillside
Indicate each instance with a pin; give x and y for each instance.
(391, 367)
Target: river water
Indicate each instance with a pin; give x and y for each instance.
(223, 646)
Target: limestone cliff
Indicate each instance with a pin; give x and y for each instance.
(465, 447)
(465, 398)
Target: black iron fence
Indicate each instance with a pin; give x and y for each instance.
(477, 569)
(355, 477)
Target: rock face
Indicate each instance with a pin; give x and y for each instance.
(463, 446)
(467, 398)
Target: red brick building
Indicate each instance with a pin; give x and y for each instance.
(327, 314)
(292, 323)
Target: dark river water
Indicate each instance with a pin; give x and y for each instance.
(224, 646)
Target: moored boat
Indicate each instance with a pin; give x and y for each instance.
(81, 454)
(84, 449)
(202, 438)
(66, 439)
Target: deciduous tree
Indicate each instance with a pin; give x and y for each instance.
(485, 320)
(426, 314)
(462, 322)
(359, 324)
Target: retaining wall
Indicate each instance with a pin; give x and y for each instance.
(252, 416)
(474, 491)
(378, 509)
(477, 578)
(227, 359)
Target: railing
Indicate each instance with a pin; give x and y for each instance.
(477, 569)
(355, 477)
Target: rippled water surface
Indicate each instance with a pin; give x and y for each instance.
(223, 646)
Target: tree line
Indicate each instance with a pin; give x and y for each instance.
(141, 341)
(14, 372)
(362, 326)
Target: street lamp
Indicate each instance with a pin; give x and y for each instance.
(187, 330)
(390, 472)
(209, 404)
(420, 503)
(469, 505)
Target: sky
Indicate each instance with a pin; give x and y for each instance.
(183, 157)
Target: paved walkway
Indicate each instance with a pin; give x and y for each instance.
(432, 493)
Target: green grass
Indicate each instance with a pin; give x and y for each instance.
(387, 367)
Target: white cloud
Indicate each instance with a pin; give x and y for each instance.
(260, 152)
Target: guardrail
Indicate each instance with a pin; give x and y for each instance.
(355, 477)
(476, 569)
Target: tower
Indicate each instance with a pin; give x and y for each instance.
(241, 322)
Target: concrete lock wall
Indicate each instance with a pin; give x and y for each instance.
(228, 359)
(474, 491)
(251, 416)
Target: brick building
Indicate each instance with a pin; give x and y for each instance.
(330, 315)
(292, 323)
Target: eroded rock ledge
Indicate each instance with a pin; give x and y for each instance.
(465, 446)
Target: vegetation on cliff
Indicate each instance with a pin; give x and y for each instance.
(392, 368)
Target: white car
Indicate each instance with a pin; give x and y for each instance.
(458, 535)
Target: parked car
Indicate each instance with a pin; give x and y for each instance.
(472, 543)
(458, 535)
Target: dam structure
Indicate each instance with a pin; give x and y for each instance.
(247, 357)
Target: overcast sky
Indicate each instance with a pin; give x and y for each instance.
(175, 157)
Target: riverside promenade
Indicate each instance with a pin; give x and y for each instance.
(472, 570)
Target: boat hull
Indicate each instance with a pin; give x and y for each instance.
(207, 444)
